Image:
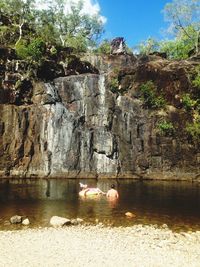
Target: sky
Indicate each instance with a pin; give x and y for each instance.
(135, 20)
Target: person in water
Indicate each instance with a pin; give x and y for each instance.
(112, 193)
(85, 190)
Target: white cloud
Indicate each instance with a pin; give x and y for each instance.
(90, 7)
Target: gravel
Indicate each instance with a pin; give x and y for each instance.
(99, 246)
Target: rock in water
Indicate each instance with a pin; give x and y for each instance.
(130, 215)
(16, 219)
(57, 221)
(26, 221)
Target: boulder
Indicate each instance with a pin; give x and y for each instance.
(118, 46)
(16, 219)
(26, 221)
(57, 221)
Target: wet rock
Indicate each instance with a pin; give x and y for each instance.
(77, 66)
(16, 219)
(26, 221)
(130, 214)
(57, 221)
(50, 70)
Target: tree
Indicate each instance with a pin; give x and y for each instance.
(184, 20)
(21, 16)
(69, 26)
(148, 46)
(181, 46)
(58, 22)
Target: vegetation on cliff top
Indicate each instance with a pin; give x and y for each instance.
(22, 23)
(25, 21)
(183, 31)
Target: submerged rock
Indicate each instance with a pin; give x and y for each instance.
(26, 221)
(16, 219)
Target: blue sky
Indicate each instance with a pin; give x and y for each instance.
(135, 20)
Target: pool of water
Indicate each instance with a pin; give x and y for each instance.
(176, 204)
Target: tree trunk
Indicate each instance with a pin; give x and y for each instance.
(20, 33)
(197, 43)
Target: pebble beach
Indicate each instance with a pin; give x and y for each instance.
(82, 245)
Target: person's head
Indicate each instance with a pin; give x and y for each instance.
(112, 186)
(83, 186)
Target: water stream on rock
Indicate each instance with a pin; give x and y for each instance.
(176, 204)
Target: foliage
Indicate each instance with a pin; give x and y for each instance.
(54, 24)
(183, 31)
(21, 50)
(183, 18)
(36, 49)
(33, 51)
(104, 48)
(188, 103)
(196, 80)
(180, 47)
(193, 129)
(150, 97)
(166, 127)
(114, 84)
(20, 16)
(73, 28)
(147, 47)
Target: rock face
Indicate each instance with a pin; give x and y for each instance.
(118, 46)
(76, 126)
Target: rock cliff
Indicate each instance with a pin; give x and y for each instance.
(78, 126)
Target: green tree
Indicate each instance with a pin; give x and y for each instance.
(56, 22)
(184, 23)
(69, 27)
(180, 47)
(20, 14)
(104, 47)
(148, 46)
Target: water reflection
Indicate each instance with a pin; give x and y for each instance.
(174, 203)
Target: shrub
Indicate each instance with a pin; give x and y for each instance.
(114, 85)
(196, 80)
(188, 102)
(149, 96)
(22, 50)
(34, 51)
(193, 129)
(104, 48)
(166, 127)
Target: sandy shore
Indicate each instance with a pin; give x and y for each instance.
(99, 246)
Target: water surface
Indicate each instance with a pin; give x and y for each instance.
(176, 204)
